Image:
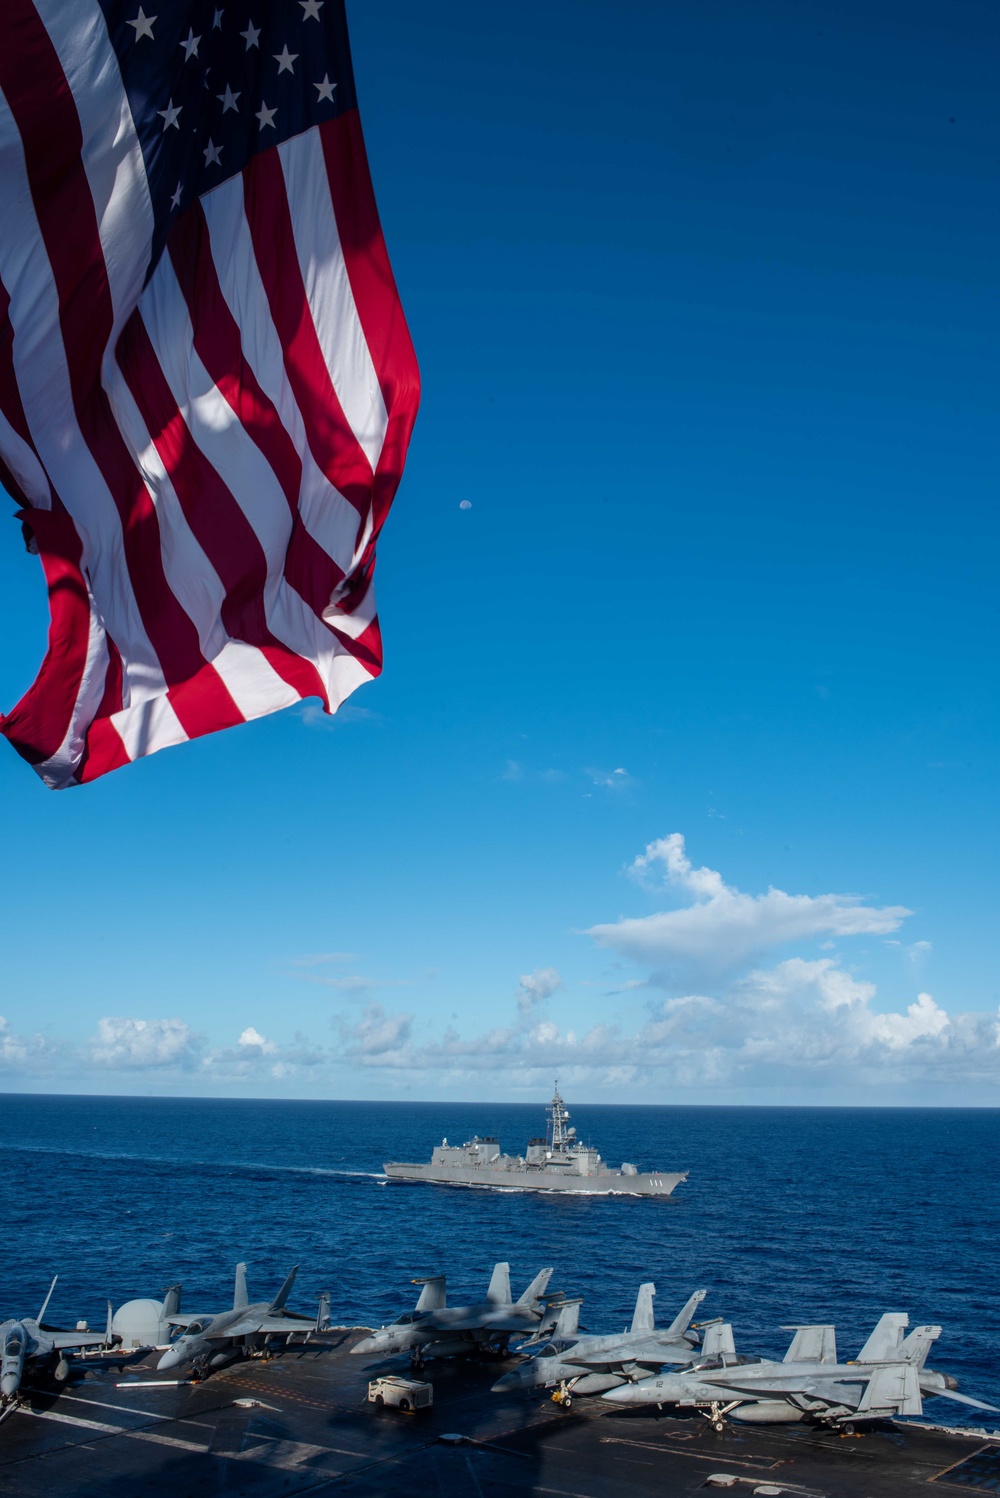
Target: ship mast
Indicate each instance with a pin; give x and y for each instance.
(560, 1137)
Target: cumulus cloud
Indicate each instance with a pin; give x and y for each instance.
(252, 1039)
(377, 1038)
(534, 988)
(144, 1043)
(254, 1055)
(747, 1024)
(773, 1026)
(722, 927)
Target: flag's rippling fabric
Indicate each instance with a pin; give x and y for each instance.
(206, 382)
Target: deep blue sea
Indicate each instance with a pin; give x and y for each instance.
(789, 1215)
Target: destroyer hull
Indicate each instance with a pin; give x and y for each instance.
(603, 1183)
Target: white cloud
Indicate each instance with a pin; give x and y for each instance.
(253, 1040)
(780, 1026)
(141, 1043)
(376, 1038)
(534, 988)
(13, 1049)
(722, 927)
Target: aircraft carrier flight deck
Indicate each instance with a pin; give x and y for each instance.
(300, 1423)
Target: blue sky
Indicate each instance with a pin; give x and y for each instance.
(704, 301)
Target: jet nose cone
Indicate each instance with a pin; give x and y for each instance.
(8, 1385)
(624, 1394)
(509, 1381)
(367, 1344)
(170, 1359)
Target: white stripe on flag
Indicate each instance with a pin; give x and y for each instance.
(44, 383)
(328, 517)
(148, 726)
(190, 576)
(238, 461)
(111, 155)
(328, 290)
(24, 466)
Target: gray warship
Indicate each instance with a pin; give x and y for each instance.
(556, 1163)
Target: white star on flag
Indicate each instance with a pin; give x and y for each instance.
(191, 45)
(170, 114)
(143, 25)
(311, 9)
(284, 59)
(228, 100)
(217, 21)
(251, 36)
(175, 199)
(325, 89)
(212, 154)
(266, 116)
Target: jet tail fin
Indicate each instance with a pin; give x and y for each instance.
(684, 1316)
(642, 1316)
(718, 1340)
(45, 1303)
(894, 1388)
(535, 1290)
(323, 1311)
(567, 1323)
(240, 1298)
(883, 1344)
(812, 1344)
(278, 1303)
(914, 1348)
(171, 1302)
(431, 1297)
(498, 1293)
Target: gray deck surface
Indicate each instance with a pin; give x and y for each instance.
(322, 1435)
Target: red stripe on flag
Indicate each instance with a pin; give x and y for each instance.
(328, 432)
(41, 103)
(39, 723)
(104, 751)
(217, 522)
(308, 569)
(375, 296)
(11, 404)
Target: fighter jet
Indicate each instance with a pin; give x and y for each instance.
(435, 1330)
(27, 1345)
(210, 1341)
(887, 1378)
(593, 1364)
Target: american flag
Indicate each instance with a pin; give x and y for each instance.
(207, 386)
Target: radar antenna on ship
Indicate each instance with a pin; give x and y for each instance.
(560, 1137)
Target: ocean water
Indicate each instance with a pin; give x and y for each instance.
(789, 1214)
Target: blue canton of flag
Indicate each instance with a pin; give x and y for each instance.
(209, 85)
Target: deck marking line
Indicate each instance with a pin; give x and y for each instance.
(760, 1463)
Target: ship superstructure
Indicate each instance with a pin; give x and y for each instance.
(559, 1162)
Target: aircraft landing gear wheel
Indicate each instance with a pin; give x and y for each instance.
(719, 1425)
(404, 1405)
(848, 1429)
(379, 1401)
